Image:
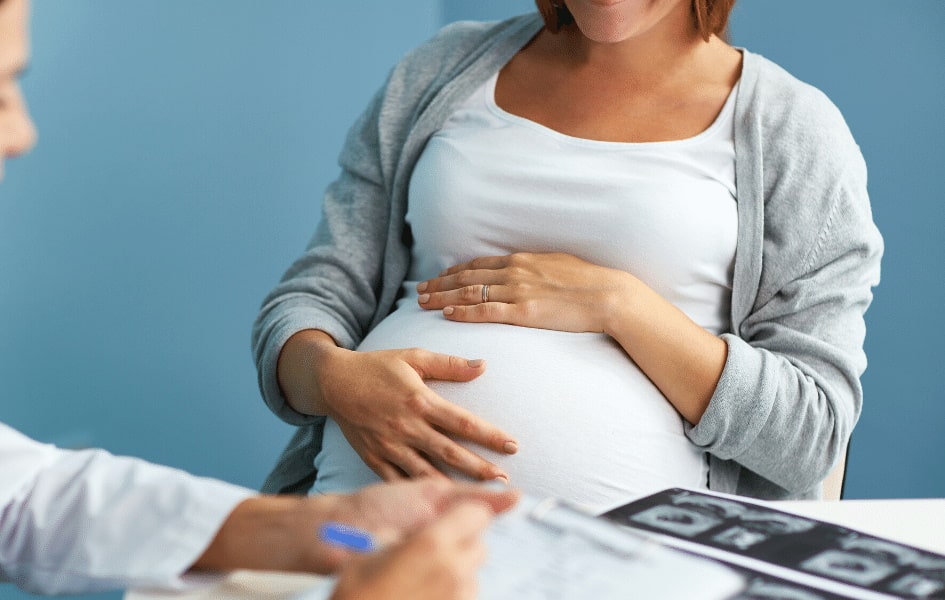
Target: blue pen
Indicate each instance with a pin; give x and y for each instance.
(346, 536)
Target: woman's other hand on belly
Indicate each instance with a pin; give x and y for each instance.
(547, 291)
(393, 420)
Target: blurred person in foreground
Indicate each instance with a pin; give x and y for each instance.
(84, 521)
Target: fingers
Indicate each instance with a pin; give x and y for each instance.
(469, 426)
(446, 415)
(445, 367)
(413, 453)
(439, 561)
(464, 424)
(453, 550)
(470, 295)
(467, 278)
(430, 498)
(462, 459)
(499, 500)
(457, 536)
(464, 282)
(463, 523)
(489, 263)
(411, 446)
(392, 510)
(479, 281)
(417, 433)
(391, 459)
(492, 312)
(386, 470)
(409, 461)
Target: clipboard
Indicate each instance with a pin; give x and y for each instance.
(545, 549)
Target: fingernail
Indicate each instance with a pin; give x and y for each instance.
(510, 447)
(474, 362)
(421, 286)
(424, 298)
(448, 310)
(502, 479)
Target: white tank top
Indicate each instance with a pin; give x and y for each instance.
(591, 426)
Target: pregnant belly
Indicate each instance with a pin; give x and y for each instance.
(591, 427)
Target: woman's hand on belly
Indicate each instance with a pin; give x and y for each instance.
(548, 291)
(396, 423)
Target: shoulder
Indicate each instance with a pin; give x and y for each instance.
(805, 169)
(807, 175)
(458, 44)
(796, 122)
(458, 38)
(419, 76)
(783, 99)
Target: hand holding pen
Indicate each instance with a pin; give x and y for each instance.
(428, 532)
(429, 544)
(391, 511)
(438, 562)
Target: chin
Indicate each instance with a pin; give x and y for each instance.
(606, 24)
(606, 33)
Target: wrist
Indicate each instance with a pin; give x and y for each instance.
(621, 304)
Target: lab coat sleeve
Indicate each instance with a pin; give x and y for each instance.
(85, 521)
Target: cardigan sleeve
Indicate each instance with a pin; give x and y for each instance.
(790, 392)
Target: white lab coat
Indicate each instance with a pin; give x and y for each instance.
(84, 521)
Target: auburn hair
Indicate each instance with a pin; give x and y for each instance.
(710, 16)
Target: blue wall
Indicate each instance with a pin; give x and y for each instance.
(183, 150)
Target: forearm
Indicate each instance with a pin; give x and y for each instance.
(680, 357)
(281, 532)
(297, 371)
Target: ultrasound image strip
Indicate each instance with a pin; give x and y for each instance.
(789, 541)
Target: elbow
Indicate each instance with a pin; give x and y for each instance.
(826, 452)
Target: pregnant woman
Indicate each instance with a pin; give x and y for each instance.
(596, 251)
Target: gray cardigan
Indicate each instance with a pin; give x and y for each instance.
(806, 259)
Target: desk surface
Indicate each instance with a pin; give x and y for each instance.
(917, 522)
